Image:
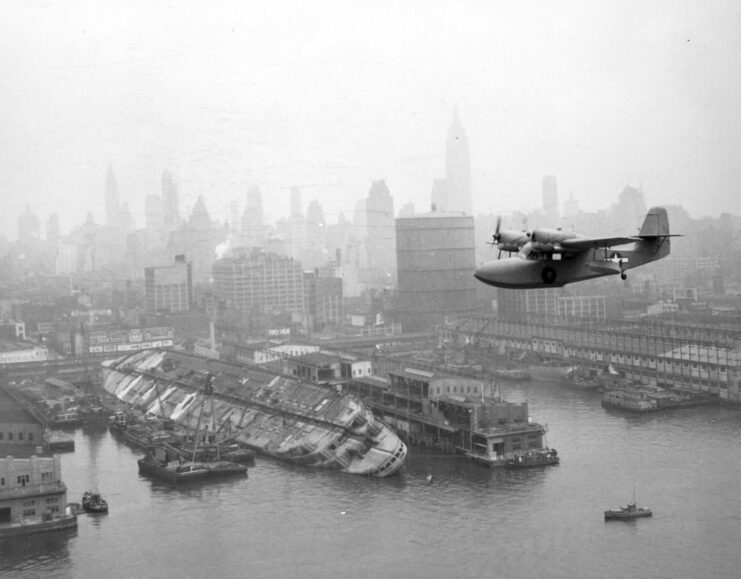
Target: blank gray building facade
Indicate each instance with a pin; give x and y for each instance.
(435, 265)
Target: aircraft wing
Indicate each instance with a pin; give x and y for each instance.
(584, 243)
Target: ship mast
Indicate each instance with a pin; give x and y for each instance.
(208, 391)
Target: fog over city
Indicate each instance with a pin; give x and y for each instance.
(330, 96)
(359, 289)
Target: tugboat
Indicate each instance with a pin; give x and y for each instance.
(94, 503)
(629, 511)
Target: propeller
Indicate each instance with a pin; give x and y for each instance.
(495, 238)
(508, 240)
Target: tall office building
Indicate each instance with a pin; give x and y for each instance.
(234, 220)
(169, 288)
(316, 225)
(253, 228)
(125, 218)
(29, 227)
(435, 257)
(323, 299)
(296, 202)
(52, 227)
(570, 208)
(457, 169)
(439, 195)
(381, 235)
(170, 202)
(293, 229)
(550, 195)
(630, 208)
(112, 201)
(153, 213)
(258, 282)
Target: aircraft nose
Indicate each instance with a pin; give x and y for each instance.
(483, 272)
(501, 273)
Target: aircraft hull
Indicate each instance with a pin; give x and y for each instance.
(522, 273)
(519, 273)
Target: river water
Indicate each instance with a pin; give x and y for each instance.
(289, 521)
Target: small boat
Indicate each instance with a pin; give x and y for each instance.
(75, 508)
(533, 458)
(57, 441)
(94, 503)
(629, 511)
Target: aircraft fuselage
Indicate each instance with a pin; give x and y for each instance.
(538, 270)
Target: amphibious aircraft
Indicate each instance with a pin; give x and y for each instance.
(554, 258)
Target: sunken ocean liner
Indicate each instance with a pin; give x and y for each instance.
(276, 415)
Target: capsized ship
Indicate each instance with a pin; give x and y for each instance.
(276, 415)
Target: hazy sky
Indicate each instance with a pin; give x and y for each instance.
(329, 96)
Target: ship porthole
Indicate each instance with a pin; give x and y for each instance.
(548, 275)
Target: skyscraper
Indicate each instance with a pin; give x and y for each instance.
(253, 228)
(29, 228)
(439, 195)
(381, 235)
(457, 169)
(52, 227)
(153, 212)
(111, 198)
(550, 195)
(293, 229)
(234, 220)
(125, 218)
(170, 203)
(295, 202)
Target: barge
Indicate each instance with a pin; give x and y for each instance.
(515, 460)
(645, 398)
(534, 458)
(168, 464)
(275, 415)
(187, 471)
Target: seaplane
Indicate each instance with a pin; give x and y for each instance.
(553, 258)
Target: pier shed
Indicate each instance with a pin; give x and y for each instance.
(450, 413)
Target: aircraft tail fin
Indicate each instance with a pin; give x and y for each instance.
(656, 224)
(656, 239)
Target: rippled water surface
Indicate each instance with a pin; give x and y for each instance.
(284, 521)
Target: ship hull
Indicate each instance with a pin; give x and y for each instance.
(186, 472)
(617, 515)
(274, 415)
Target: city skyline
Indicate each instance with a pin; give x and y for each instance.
(598, 95)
